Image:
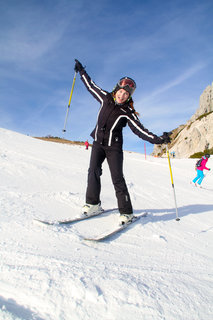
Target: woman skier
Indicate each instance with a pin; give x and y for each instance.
(115, 112)
(200, 175)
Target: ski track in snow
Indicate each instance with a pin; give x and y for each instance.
(157, 269)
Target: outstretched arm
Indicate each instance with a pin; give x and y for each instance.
(96, 91)
(137, 127)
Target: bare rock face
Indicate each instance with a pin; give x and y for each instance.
(206, 103)
(197, 134)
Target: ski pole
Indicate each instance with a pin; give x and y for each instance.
(68, 108)
(170, 168)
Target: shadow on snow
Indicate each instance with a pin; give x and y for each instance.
(10, 306)
(155, 215)
(170, 214)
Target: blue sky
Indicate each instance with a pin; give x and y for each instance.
(166, 46)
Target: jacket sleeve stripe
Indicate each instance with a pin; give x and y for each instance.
(95, 85)
(92, 90)
(141, 130)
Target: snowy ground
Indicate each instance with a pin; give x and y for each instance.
(157, 269)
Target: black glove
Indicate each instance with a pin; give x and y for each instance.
(165, 137)
(78, 66)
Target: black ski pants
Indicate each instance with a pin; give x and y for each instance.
(115, 161)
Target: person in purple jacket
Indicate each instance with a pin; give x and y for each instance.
(200, 175)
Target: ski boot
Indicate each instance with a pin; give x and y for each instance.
(125, 218)
(92, 209)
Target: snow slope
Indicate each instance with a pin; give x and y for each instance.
(157, 269)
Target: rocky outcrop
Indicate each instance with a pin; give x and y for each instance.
(197, 134)
(206, 103)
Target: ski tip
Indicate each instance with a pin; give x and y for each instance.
(41, 222)
(95, 239)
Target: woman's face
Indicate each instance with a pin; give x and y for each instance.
(121, 96)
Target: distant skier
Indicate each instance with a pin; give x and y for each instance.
(201, 165)
(115, 112)
(86, 144)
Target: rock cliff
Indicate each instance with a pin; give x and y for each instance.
(197, 134)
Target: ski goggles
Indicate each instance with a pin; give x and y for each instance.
(123, 82)
(127, 84)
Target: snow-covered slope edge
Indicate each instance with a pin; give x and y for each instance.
(158, 269)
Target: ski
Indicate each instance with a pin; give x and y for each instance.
(70, 221)
(117, 229)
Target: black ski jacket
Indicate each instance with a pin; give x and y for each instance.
(113, 117)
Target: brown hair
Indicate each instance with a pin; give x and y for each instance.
(132, 107)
